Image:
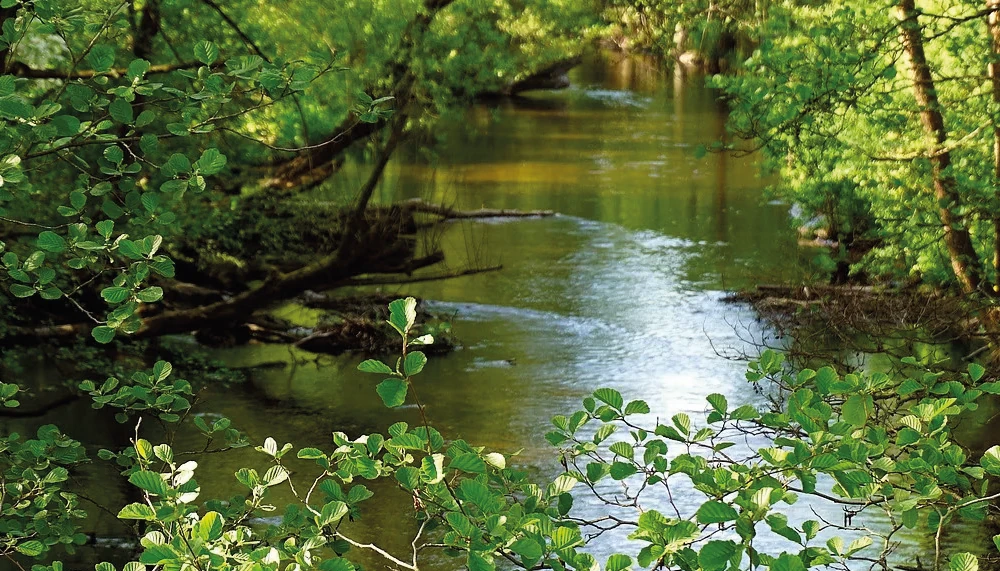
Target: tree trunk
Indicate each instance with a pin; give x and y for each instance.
(147, 28)
(964, 260)
(316, 161)
(993, 25)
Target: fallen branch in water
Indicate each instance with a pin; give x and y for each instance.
(449, 213)
(43, 410)
(388, 280)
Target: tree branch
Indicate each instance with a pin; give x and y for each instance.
(21, 70)
(236, 28)
(449, 213)
(386, 280)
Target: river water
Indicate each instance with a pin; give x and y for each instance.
(622, 289)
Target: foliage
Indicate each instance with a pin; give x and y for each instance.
(860, 441)
(86, 92)
(715, 30)
(113, 178)
(832, 100)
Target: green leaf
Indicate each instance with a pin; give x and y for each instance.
(637, 407)
(31, 548)
(856, 409)
(114, 154)
(7, 83)
(66, 125)
(788, 562)
(174, 185)
(392, 391)
(105, 228)
(206, 52)
(611, 397)
(154, 554)
(103, 334)
(21, 290)
(991, 461)
(211, 525)
(858, 544)
(137, 511)
(718, 402)
(149, 481)
(414, 363)
(137, 68)
(375, 366)
(715, 555)
(403, 314)
(101, 58)
(130, 250)
(310, 454)
(621, 470)
(716, 512)
(496, 460)
(338, 564)
(477, 562)
(468, 462)
(332, 513)
(623, 449)
(78, 199)
(682, 422)
(618, 562)
(51, 292)
(963, 562)
(528, 549)
(976, 371)
(145, 118)
(560, 485)
(211, 162)
(275, 475)
(161, 370)
(150, 294)
(121, 111)
(115, 294)
(408, 477)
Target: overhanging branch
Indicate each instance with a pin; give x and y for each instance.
(21, 70)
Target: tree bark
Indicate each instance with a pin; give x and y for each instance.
(964, 260)
(993, 26)
(147, 29)
(21, 70)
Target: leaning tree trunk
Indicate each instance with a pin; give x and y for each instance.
(315, 163)
(964, 260)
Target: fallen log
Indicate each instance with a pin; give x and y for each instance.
(389, 280)
(555, 76)
(449, 213)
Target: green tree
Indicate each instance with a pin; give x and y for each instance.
(121, 123)
(881, 119)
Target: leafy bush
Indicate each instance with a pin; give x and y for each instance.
(861, 441)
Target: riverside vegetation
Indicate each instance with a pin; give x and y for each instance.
(115, 197)
(866, 442)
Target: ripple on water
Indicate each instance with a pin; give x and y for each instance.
(618, 98)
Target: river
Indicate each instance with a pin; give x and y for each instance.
(623, 288)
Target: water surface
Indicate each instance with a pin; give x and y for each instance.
(622, 289)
